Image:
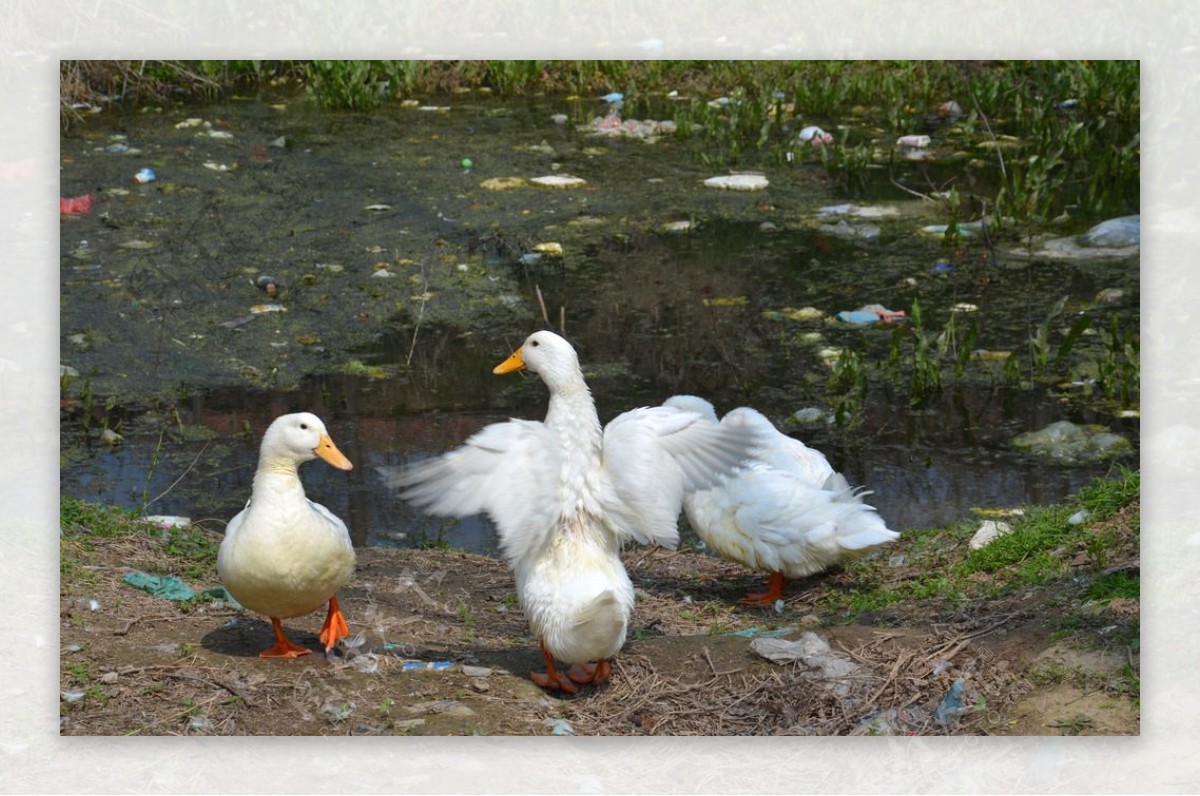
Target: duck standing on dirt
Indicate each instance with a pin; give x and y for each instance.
(787, 512)
(284, 555)
(565, 495)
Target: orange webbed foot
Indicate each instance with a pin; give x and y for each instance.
(551, 679)
(283, 648)
(335, 627)
(767, 598)
(590, 672)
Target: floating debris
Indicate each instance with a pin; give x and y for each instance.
(258, 309)
(268, 284)
(503, 183)
(75, 205)
(559, 181)
(726, 301)
(738, 182)
(846, 231)
(913, 141)
(814, 135)
(871, 314)
(859, 211)
(984, 355)
(1114, 233)
(1067, 443)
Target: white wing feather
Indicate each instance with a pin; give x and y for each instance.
(653, 456)
(507, 470)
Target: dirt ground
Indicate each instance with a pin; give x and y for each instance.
(136, 664)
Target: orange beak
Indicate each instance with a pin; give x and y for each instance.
(330, 453)
(515, 362)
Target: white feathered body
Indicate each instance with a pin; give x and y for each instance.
(572, 586)
(787, 511)
(284, 555)
(566, 494)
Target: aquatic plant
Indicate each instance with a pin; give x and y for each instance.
(847, 386)
(1119, 367)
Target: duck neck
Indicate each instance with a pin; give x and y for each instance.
(572, 412)
(277, 476)
(572, 417)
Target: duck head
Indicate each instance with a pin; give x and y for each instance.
(301, 437)
(549, 356)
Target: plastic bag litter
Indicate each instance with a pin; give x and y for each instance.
(75, 205)
(951, 706)
(829, 669)
(166, 587)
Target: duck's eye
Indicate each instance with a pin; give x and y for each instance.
(533, 343)
(304, 426)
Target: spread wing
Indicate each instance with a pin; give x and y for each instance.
(508, 471)
(653, 456)
(780, 451)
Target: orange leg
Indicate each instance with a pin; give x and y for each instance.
(766, 598)
(589, 672)
(551, 679)
(335, 626)
(283, 648)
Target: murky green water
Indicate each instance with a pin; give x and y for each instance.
(400, 366)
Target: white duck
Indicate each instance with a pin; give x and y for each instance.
(284, 555)
(565, 494)
(787, 512)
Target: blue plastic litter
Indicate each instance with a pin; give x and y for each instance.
(951, 706)
(857, 317)
(431, 665)
(941, 267)
(616, 96)
(754, 632)
(166, 587)
(560, 727)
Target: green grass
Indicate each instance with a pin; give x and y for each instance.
(1037, 553)
(188, 552)
(1118, 585)
(195, 549)
(80, 518)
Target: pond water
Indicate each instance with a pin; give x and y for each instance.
(157, 286)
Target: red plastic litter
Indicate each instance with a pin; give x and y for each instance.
(75, 205)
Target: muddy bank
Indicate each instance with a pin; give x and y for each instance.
(439, 647)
